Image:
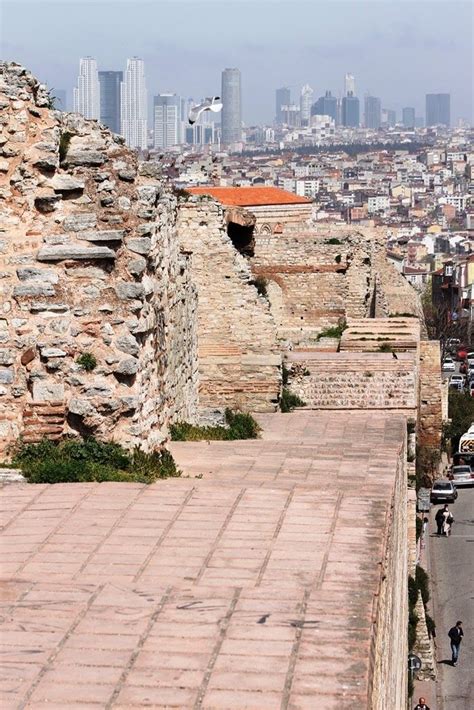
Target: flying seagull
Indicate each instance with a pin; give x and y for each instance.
(212, 103)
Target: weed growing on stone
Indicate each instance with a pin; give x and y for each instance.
(334, 331)
(87, 361)
(81, 460)
(238, 426)
(289, 401)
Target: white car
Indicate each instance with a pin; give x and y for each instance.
(448, 364)
(470, 358)
(463, 476)
(457, 381)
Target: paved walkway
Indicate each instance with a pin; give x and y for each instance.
(252, 587)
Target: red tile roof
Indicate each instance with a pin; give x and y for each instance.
(249, 196)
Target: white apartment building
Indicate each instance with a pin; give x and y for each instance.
(134, 104)
(166, 120)
(460, 202)
(306, 100)
(378, 203)
(86, 95)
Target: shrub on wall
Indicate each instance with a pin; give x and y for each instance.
(80, 460)
(289, 401)
(238, 426)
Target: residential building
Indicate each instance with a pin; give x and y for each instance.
(306, 99)
(166, 120)
(325, 106)
(110, 88)
(373, 112)
(378, 203)
(408, 117)
(350, 111)
(134, 104)
(282, 98)
(349, 85)
(438, 109)
(87, 91)
(232, 106)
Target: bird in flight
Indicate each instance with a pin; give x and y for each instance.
(212, 103)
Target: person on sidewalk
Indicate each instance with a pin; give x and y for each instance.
(455, 634)
(440, 517)
(421, 705)
(448, 522)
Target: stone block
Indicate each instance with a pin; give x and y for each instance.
(7, 356)
(31, 272)
(88, 158)
(137, 266)
(33, 289)
(128, 290)
(78, 222)
(47, 391)
(52, 352)
(66, 183)
(127, 367)
(127, 344)
(6, 376)
(28, 356)
(109, 235)
(63, 252)
(139, 245)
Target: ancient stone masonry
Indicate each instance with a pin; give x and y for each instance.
(89, 263)
(239, 360)
(318, 276)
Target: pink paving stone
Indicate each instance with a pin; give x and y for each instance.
(180, 589)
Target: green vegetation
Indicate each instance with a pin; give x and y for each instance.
(289, 401)
(285, 373)
(402, 315)
(338, 258)
(334, 331)
(239, 426)
(385, 347)
(64, 142)
(367, 373)
(333, 240)
(461, 415)
(87, 361)
(427, 461)
(261, 283)
(419, 527)
(80, 460)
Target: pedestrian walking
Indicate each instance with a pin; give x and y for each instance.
(455, 634)
(448, 522)
(421, 705)
(439, 517)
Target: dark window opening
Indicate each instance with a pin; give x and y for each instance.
(242, 238)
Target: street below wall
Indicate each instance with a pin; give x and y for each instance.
(452, 564)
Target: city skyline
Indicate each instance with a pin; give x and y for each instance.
(185, 48)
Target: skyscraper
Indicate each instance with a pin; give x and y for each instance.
(408, 117)
(232, 107)
(134, 104)
(438, 109)
(110, 86)
(349, 85)
(372, 112)
(166, 120)
(389, 117)
(325, 106)
(306, 99)
(282, 98)
(87, 92)
(350, 111)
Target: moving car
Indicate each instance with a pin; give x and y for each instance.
(448, 364)
(462, 476)
(443, 491)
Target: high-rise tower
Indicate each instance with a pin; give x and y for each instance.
(232, 106)
(87, 91)
(438, 109)
(166, 120)
(110, 87)
(349, 85)
(306, 99)
(282, 98)
(372, 112)
(134, 104)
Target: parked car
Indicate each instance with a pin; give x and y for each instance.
(448, 364)
(443, 491)
(470, 358)
(456, 381)
(461, 353)
(462, 476)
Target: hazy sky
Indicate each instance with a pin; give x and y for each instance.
(397, 49)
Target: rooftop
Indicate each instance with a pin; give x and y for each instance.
(246, 588)
(249, 196)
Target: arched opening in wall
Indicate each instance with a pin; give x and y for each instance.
(242, 237)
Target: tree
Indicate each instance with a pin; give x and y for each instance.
(439, 322)
(461, 415)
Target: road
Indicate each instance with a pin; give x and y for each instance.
(452, 570)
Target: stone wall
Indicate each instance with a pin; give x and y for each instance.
(355, 380)
(238, 356)
(89, 263)
(432, 395)
(390, 647)
(318, 276)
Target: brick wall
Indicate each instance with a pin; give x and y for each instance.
(431, 395)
